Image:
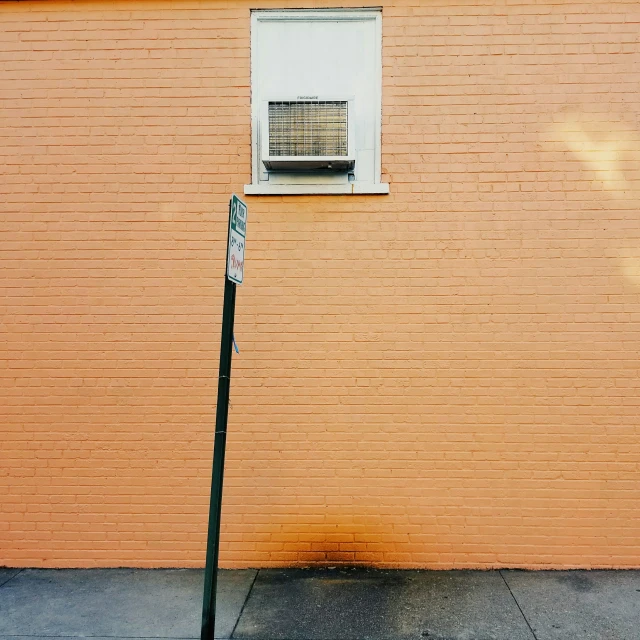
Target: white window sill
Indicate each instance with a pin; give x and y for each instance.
(351, 188)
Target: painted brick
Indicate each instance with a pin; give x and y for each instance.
(443, 377)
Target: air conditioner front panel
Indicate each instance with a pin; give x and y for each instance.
(307, 135)
(308, 128)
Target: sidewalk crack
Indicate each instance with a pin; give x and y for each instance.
(533, 633)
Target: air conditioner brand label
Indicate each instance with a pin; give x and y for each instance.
(237, 238)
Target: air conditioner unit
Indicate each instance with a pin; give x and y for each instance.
(307, 134)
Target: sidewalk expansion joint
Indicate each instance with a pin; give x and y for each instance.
(533, 633)
(244, 604)
(11, 577)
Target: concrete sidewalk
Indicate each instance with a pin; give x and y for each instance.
(323, 604)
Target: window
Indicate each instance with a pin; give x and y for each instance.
(316, 82)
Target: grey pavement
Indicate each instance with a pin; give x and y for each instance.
(322, 604)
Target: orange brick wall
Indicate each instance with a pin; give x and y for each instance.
(443, 377)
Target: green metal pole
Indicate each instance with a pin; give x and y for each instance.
(220, 443)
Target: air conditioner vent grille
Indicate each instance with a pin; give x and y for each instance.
(318, 128)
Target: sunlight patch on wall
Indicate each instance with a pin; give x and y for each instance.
(606, 145)
(630, 266)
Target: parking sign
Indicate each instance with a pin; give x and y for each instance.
(237, 239)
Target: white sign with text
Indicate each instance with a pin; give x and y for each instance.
(237, 239)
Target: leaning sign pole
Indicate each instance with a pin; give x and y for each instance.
(233, 276)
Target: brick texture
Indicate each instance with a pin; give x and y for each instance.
(447, 376)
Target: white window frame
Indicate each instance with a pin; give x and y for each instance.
(348, 15)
